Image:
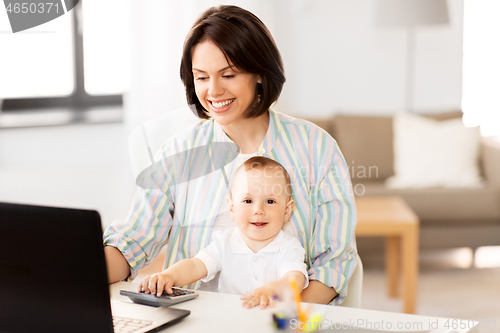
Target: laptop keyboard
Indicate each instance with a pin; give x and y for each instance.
(122, 325)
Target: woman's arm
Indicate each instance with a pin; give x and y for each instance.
(117, 266)
(333, 244)
(332, 268)
(317, 292)
(149, 217)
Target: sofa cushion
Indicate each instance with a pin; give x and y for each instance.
(432, 153)
(366, 142)
(444, 205)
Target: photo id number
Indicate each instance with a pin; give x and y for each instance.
(469, 324)
(32, 8)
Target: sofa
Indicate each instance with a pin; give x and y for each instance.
(449, 217)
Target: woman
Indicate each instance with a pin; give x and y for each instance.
(233, 72)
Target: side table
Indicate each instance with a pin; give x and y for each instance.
(392, 218)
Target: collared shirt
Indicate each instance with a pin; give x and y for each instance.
(180, 213)
(242, 270)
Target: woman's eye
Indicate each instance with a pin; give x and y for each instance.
(201, 78)
(228, 76)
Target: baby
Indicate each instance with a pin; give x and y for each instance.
(256, 259)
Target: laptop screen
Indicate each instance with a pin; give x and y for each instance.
(52, 270)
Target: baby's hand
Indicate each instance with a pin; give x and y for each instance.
(264, 296)
(156, 283)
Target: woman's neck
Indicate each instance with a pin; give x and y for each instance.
(249, 133)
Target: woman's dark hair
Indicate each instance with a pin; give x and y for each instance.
(246, 43)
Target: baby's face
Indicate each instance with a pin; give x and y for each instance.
(260, 203)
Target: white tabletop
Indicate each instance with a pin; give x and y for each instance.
(216, 312)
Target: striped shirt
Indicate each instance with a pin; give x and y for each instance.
(180, 212)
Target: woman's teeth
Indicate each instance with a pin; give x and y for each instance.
(222, 104)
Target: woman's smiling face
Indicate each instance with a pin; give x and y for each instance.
(225, 92)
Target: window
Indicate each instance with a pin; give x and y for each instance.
(481, 66)
(106, 46)
(38, 62)
(79, 60)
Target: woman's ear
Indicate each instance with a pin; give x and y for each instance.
(259, 79)
(288, 210)
(230, 204)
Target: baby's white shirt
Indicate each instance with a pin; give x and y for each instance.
(242, 270)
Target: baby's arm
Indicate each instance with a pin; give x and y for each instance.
(265, 294)
(179, 274)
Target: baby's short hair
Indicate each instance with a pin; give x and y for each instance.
(261, 163)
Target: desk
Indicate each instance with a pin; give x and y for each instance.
(215, 312)
(392, 218)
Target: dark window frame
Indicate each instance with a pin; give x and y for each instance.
(79, 100)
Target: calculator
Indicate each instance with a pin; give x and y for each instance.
(179, 295)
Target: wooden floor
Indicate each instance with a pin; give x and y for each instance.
(448, 286)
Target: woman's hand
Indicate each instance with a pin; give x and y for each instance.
(156, 283)
(264, 296)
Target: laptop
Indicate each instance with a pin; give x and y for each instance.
(53, 275)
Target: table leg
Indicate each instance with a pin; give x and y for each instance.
(392, 244)
(410, 268)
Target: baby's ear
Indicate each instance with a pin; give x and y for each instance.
(230, 204)
(288, 210)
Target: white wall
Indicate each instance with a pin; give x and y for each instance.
(80, 166)
(336, 59)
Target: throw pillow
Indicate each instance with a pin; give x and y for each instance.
(431, 153)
